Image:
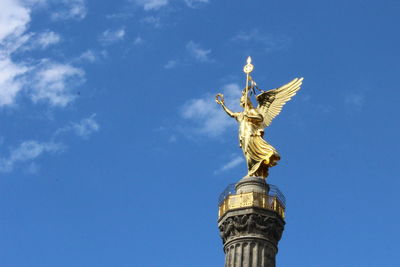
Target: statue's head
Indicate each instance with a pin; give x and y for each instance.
(243, 101)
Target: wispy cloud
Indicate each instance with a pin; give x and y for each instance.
(151, 4)
(270, 42)
(43, 40)
(199, 53)
(42, 80)
(138, 41)
(195, 3)
(235, 161)
(152, 20)
(27, 151)
(171, 64)
(195, 53)
(126, 14)
(10, 82)
(84, 128)
(14, 19)
(87, 56)
(205, 117)
(112, 36)
(324, 108)
(47, 38)
(70, 9)
(52, 82)
(355, 101)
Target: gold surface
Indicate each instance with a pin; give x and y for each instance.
(248, 67)
(251, 199)
(259, 154)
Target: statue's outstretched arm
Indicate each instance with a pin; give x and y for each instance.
(228, 111)
(220, 100)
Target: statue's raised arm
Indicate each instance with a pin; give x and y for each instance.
(219, 98)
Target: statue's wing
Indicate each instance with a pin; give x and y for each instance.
(270, 103)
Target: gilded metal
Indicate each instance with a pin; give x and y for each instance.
(248, 67)
(251, 199)
(259, 154)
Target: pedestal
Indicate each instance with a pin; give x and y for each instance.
(251, 224)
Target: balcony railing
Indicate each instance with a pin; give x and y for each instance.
(274, 200)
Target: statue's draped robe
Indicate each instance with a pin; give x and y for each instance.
(258, 153)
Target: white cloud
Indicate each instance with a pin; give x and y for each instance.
(206, 117)
(70, 9)
(151, 4)
(109, 36)
(10, 84)
(30, 150)
(355, 100)
(324, 108)
(195, 3)
(138, 41)
(27, 151)
(171, 64)
(270, 42)
(120, 15)
(88, 56)
(84, 128)
(14, 19)
(200, 54)
(47, 38)
(230, 164)
(155, 21)
(46, 80)
(53, 82)
(42, 40)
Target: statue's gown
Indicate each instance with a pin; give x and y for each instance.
(258, 153)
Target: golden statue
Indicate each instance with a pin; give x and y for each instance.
(259, 154)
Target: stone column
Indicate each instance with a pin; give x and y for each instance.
(250, 228)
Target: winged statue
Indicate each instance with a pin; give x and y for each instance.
(259, 154)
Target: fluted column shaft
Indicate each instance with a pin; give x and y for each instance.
(250, 253)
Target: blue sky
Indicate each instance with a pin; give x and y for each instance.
(113, 151)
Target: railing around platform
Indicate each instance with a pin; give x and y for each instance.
(274, 200)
